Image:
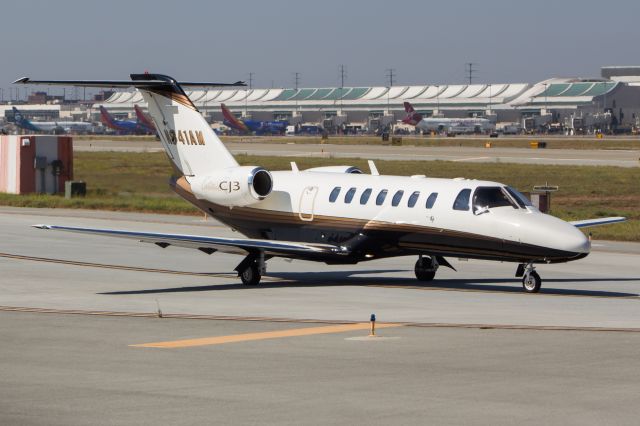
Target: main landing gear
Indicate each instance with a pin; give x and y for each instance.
(251, 269)
(531, 281)
(426, 268)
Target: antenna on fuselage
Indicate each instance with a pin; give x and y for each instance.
(373, 168)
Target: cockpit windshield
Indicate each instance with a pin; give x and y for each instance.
(490, 197)
(519, 197)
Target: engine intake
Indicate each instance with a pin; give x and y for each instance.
(234, 187)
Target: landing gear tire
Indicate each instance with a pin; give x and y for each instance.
(251, 275)
(531, 282)
(424, 270)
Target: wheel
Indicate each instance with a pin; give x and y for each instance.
(423, 270)
(531, 282)
(251, 275)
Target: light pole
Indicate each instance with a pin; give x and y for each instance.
(489, 98)
(391, 73)
(246, 93)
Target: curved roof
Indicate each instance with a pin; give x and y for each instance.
(557, 92)
(375, 93)
(225, 95)
(397, 91)
(271, 94)
(565, 92)
(256, 94)
(414, 91)
(452, 91)
(239, 96)
(472, 91)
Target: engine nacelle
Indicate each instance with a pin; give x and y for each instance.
(233, 187)
(335, 169)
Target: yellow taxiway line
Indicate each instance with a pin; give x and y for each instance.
(219, 340)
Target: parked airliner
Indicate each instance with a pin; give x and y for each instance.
(245, 126)
(144, 119)
(50, 126)
(339, 215)
(123, 126)
(449, 125)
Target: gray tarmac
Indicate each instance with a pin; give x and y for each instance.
(603, 157)
(477, 349)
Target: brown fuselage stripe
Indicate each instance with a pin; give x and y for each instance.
(313, 321)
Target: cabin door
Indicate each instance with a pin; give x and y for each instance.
(307, 200)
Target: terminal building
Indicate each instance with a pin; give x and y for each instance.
(579, 105)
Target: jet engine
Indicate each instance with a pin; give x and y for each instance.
(233, 187)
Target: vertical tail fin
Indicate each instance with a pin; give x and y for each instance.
(22, 122)
(189, 141)
(144, 119)
(412, 117)
(106, 118)
(232, 120)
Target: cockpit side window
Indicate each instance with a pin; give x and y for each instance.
(462, 200)
(519, 197)
(491, 197)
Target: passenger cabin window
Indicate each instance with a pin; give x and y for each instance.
(381, 196)
(462, 200)
(519, 197)
(334, 194)
(397, 197)
(413, 199)
(431, 200)
(365, 196)
(491, 197)
(349, 195)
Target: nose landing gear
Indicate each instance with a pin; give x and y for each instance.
(531, 281)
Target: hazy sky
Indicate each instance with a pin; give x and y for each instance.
(424, 41)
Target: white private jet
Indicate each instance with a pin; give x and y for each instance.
(339, 215)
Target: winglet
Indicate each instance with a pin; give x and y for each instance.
(23, 80)
(294, 167)
(42, 226)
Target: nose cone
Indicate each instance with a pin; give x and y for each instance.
(548, 231)
(573, 240)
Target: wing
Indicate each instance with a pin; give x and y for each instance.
(597, 222)
(210, 245)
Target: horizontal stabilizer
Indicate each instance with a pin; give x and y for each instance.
(135, 82)
(597, 222)
(224, 245)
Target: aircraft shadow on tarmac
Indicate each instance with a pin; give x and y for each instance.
(347, 278)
